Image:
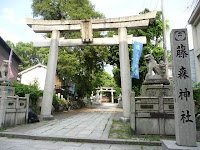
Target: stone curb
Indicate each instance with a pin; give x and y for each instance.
(87, 140)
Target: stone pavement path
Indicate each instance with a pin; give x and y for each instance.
(25, 144)
(93, 123)
(89, 123)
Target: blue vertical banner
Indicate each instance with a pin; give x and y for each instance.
(137, 50)
(73, 88)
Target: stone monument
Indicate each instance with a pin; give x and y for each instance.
(4, 72)
(155, 105)
(185, 125)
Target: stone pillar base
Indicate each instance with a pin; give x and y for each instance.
(124, 119)
(45, 118)
(171, 145)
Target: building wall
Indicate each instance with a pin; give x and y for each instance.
(38, 73)
(4, 55)
(196, 42)
(192, 65)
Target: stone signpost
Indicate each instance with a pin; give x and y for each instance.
(86, 27)
(185, 126)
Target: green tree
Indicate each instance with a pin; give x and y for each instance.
(108, 81)
(64, 9)
(82, 65)
(10, 44)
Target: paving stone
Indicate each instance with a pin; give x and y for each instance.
(48, 146)
(75, 148)
(23, 147)
(125, 147)
(72, 144)
(6, 146)
(152, 148)
(94, 145)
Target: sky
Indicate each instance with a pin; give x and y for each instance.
(14, 12)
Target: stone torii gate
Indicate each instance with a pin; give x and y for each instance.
(107, 89)
(86, 27)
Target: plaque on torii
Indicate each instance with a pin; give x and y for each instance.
(86, 27)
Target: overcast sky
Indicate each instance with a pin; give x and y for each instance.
(13, 13)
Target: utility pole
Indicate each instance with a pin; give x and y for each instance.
(164, 36)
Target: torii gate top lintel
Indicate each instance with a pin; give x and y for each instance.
(87, 26)
(33, 22)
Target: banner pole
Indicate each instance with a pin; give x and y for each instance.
(131, 66)
(9, 68)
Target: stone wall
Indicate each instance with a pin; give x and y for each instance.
(153, 112)
(13, 109)
(149, 118)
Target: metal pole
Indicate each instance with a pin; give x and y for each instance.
(164, 36)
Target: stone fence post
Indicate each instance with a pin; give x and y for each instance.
(3, 104)
(132, 118)
(27, 106)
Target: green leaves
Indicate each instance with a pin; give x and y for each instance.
(64, 9)
(33, 90)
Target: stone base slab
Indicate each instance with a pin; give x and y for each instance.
(157, 90)
(156, 81)
(171, 145)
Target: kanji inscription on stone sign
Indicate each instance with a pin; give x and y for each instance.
(185, 125)
(182, 73)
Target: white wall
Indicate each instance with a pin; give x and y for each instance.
(196, 42)
(36, 73)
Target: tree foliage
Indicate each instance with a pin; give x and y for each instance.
(64, 9)
(32, 90)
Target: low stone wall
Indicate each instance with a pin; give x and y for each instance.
(153, 112)
(13, 109)
(149, 119)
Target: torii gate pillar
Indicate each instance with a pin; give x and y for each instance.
(50, 77)
(125, 73)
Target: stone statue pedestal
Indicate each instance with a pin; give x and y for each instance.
(156, 81)
(154, 108)
(156, 90)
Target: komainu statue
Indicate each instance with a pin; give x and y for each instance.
(156, 73)
(4, 72)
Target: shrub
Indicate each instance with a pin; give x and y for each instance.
(32, 89)
(60, 104)
(196, 92)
